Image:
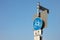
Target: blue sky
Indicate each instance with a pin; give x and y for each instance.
(16, 19)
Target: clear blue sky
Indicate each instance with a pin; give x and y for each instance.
(16, 19)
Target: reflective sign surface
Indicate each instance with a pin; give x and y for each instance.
(37, 23)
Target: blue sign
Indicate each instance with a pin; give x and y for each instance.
(37, 24)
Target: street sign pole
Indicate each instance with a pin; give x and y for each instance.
(38, 33)
(39, 21)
